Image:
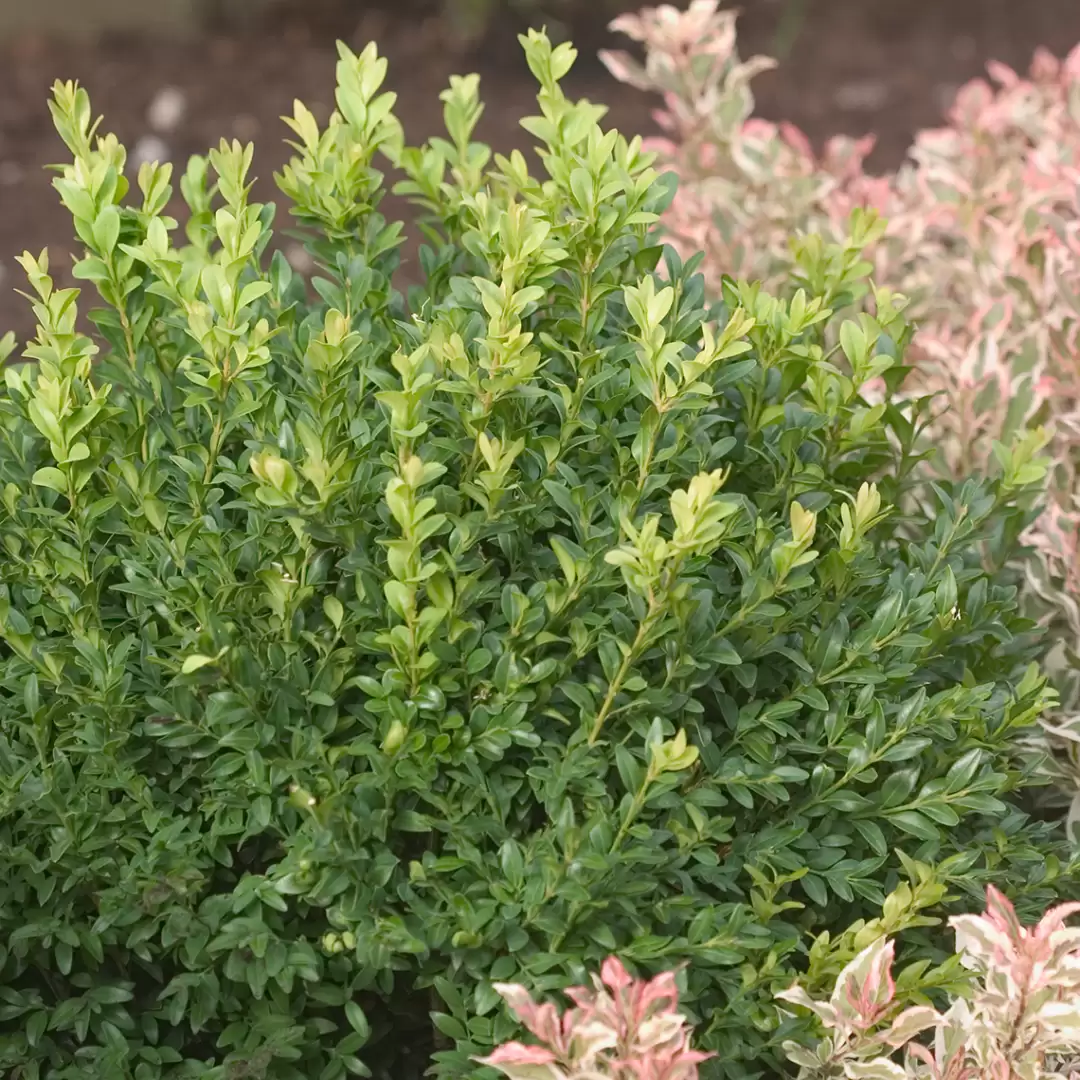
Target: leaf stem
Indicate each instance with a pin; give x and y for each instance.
(628, 660)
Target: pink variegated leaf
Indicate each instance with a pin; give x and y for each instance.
(587, 1038)
(979, 941)
(1071, 65)
(1063, 1017)
(541, 1019)
(625, 69)
(660, 993)
(516, 1053)
(665, 1030)
(630, 25)
(1054, 920)
(1002, 74)
(1002, 914)
(614, 975)
(521, 1062)
(1045, 66)
(876, 1069)
(796, 995)
(865, 987)
(909, 1023)
(796, 139)
(922, 1054)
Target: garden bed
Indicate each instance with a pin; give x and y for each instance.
(361, 663)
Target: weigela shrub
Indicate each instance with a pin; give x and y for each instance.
(746, 185)
(360, 651)
(620, 1027)
(1017, 1018)
(983, 238)
(1020, 1017)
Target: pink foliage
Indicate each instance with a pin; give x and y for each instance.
(746, 184)
(620, 1028)
(1022, 1019)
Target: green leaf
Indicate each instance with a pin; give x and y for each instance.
(334, 610)
(194, 662)
(630, 771)
(812, 696)
(451, 1028)
(252, 292)
(51, 478)
(898, 786)
(357, 1020)
(872, 834)
(963, 770)
(107, 229)
(914, 823)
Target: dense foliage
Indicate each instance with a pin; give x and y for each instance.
(983, 237)
(360, 651)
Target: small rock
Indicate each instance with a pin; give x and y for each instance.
(868, 95)
(299, 259)
(149, 148)
(167, 109)
(11, 173)
(245, 127)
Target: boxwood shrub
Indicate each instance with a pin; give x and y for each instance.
(363, 646)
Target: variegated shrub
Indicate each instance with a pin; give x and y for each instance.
(1020, 1020)
(1017, 1016)
(620, 1028)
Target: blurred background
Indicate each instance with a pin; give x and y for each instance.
(174, 76)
